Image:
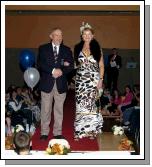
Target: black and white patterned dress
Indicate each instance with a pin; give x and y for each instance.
(88, 121)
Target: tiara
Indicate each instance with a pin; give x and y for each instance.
(84, 25)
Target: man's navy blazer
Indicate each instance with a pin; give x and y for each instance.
(46, 63)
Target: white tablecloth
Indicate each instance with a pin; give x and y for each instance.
(10, 154)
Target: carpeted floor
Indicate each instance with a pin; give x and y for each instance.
(84, 144)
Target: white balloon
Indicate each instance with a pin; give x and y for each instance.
(31, 77)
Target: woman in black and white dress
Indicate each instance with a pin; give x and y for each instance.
(89, 78)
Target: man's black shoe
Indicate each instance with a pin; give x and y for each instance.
(43, 137)
(59, 137)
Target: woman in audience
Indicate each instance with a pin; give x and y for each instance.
(27, 96)
(31, 104)
(126, 100)
(134, 99)
(135, 106)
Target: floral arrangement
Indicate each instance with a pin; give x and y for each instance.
(117, 130)
(17, 128)
(125, 144)
(9, 143)
(9, 139)
(58, 147)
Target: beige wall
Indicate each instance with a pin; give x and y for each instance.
(29, 31)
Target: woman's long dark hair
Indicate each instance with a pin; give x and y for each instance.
(94, 48)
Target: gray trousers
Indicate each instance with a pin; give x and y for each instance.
(46, 109)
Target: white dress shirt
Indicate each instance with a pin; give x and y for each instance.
(57, 47)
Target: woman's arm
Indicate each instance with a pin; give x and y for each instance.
(101, 68)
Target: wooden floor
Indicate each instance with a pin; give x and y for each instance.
(109, 142)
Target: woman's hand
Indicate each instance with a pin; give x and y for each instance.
(99, 85)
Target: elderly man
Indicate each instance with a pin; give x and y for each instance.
(55, 61)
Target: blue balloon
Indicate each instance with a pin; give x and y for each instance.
(27, 59)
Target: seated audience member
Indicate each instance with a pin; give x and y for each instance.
(8, 123)
(18, 114)
(14, 109)
(115, 101)
(128, 112)
(37, 96)
(11, 88)
(22, 143)
(134, 101)
(27, 96)
(126, 100)
(134, 122)
(7, 115)
(7, 97)
(30, 104)
(19, 94)
(105, 102)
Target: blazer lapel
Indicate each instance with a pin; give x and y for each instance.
(50, 48)
(50, 52)
(60, 51)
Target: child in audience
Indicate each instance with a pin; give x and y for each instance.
(22, 143)
(115, 101)
(105, 102)
(18, 113)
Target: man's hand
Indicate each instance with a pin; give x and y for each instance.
(66, 63)
(57, 73)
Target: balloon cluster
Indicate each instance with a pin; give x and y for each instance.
(31, 74)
